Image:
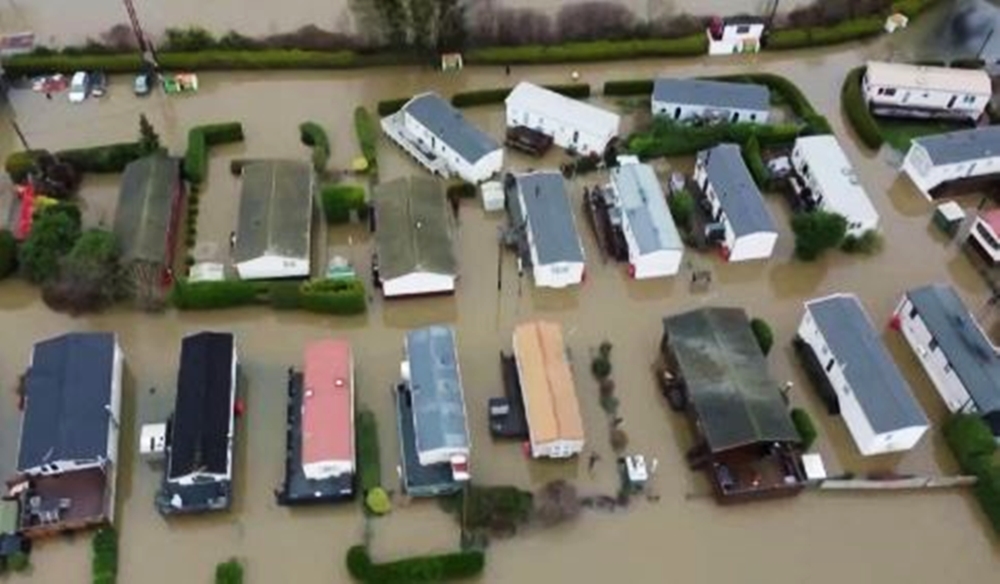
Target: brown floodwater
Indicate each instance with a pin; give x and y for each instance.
(59, 22)
(818, 537)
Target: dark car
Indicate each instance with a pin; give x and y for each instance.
(98, 84)
(143, 84)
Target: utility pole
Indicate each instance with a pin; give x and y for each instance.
(148, 54)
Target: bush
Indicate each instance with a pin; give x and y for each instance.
(53, 234)
(313, 135)
(415, 570)
(848, 30)
(18, 561)
(367, 130)
(200, 139)
(763, 333)
(971, 441)
(856, 110)
(480, 97)
(8, 253)
(284, 294)
(805, 427)
(681, 206)
(111, 158)
(462, 190)
(19, 164)
(912, 8)
(498, 508)
(90, 277)
(666, 137)
(339, 200)
(755, 161)
(816, 232)
(104, 556)
(629, 87)
(369, 463)
(387, 107)
(619, 440)
(600, 366)
(230, 572)
(377, 501)
(987, 491)
(695, 44)
(214, 60)
(212, 295)
(341, 297)
(870, 242)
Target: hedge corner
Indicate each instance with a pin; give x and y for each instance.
(856, 110)
(805, 427)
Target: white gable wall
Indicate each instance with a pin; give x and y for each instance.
(752, 246)
(416, 283)
(558, 275)
(657, 264)
(571, 123)
(925, 175)
(273, 266)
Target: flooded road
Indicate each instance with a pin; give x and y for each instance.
(58, 22)
(922, 537)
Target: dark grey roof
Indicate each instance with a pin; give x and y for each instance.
(67, 393)
(450, 126)
(645, 207)
(144, 216)
(730, 389)
(884, 395)
(549, 217)
(711, 93)
(276, 201)
(738, 195)
(970, 354)
(963, 145)
(414, 230)
(744, 19)
(436, 388)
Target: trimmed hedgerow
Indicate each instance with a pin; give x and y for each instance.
(480, 97)
(110, 158)
(970, 441)
(200, 139)
(805, 427)
(755, 161)
(848, 30)
(104, 556)
(629, 87)
(415, 570)
(857, 112)
(665, 137)
(338, 200)
(369, 461)
(696, 44)
(387, 107)
(314, 136)
(366, 128)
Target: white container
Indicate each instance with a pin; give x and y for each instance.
(493, 197)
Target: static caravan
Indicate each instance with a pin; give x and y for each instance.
(827, 172)
(328, 410)
(735, 34)
(543, 218)
(700, 99)
(440, 138)
(555, 428)
(935, 162)
(985, 236)
(956, 354)
(275, 221)
(414, 238)
(741, 221)
(875, 401)
(915, 91)
(655, 248)
(574, 125)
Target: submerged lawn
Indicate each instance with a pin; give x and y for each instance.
(899, 132)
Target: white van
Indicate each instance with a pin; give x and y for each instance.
(79, 87)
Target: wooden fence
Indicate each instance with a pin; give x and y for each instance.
(897, 484)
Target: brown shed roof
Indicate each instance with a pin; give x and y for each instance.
(547, 383)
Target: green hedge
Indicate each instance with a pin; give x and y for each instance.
(574, 90)
(200, 139)
(754, 160)
(366, 127)
(111, 158)
(230, 572)
(971, 441)
(211, 60)
(387, 107)
(987, 491)
(848, 30)
(696, 44)
(790, 94)
(480, 97)
(18, 164)
(629, 87)
(805, 427)
(338, 200)
(415, 570)
(104, 556)
(314, 136)
(369, 461)
(856, 110)
(342, 296)
(214, 295)
(665, 137)
(763, 333)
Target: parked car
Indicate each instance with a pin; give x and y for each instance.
(143, 84)
(79, 87)
(98, 84)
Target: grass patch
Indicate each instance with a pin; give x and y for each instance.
(338, 200)
(104, 556)
(899, 132)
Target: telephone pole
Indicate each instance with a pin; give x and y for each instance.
(148, 54)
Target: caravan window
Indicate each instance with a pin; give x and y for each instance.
(743, 29)
(890, 91)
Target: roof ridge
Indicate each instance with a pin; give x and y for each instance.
(537, 331)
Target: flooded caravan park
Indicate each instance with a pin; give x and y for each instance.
(818, 537)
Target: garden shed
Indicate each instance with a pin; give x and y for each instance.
(572, 124)
(275, 220)
(148, 215)
(414, 235)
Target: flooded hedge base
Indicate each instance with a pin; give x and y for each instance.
(920, 536)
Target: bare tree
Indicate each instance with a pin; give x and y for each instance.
(594, 20)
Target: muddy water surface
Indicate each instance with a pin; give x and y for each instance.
(822, 538)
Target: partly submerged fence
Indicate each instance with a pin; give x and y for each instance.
(932, 482)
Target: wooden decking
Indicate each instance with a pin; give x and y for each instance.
(393, 127)
(65, 502)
